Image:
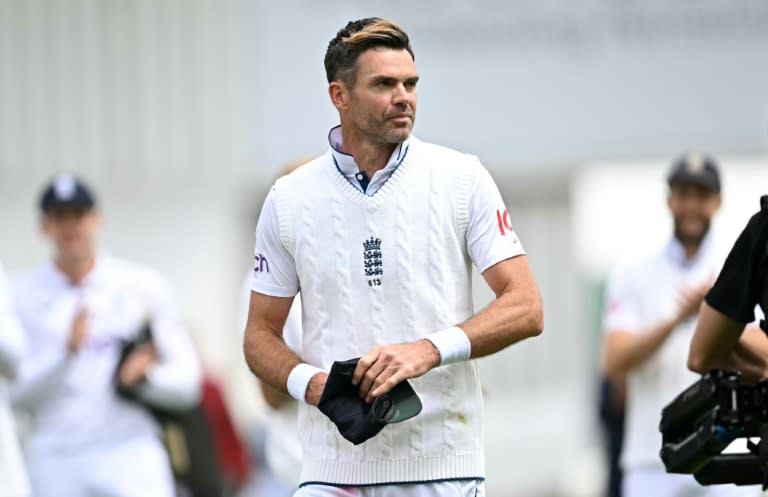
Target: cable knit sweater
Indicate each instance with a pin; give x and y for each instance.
(387, 268)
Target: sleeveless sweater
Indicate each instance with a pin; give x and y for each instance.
(383, 269)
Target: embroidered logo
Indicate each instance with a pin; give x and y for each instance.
(372, 261)
(260, 264)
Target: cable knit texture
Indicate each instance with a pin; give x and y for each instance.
(388, 268)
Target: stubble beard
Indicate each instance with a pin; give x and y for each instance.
(396, 137)
(688, 239)
(392, 136)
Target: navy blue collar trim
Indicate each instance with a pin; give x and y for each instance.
(330, 142)
(400, 161)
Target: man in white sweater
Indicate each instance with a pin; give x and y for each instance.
(78, 312)
(379, 235)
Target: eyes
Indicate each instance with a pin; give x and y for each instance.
(386, 83)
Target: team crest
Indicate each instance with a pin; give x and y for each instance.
(372, 264)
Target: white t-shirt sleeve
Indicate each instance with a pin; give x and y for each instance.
(620, 312)
(274, 271)
(490, 236)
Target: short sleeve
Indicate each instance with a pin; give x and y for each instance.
(739, 285)
(620, 306)
(274, 271)
(490, 236)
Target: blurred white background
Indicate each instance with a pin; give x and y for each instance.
(181, 112)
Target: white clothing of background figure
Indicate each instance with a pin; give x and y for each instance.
(638, 295)
(75, 412)
(13, 476)
(650, 315)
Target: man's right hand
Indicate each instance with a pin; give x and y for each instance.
(385, 366)
(79, 331)
(315, 388)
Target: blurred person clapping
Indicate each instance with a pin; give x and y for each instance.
(651, 306)
(79, 310)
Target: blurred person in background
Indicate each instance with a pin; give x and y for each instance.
(650, 315)
(13, 476)
(379, 235)
(231, 454)
(612, 405)
(206, 453)
(78, 311)
(281, 446)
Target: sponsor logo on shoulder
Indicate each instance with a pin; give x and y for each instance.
(502, 217)
(260, 264)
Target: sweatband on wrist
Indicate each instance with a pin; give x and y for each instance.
(452, 344)
(298, 380)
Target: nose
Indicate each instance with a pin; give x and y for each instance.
(401, 95)
(693, 202)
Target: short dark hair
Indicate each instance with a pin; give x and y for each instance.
(357, 37)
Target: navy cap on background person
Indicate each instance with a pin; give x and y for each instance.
(66, 190)
(697, 169)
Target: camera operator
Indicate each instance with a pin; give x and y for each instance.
(720, 340)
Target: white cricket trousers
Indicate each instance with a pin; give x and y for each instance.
(653, 482)
(464, 488)
(127, 469)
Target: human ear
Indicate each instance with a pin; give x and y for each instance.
(339, 94)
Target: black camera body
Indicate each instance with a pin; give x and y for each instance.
(704, 419)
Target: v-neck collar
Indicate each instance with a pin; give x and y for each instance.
(348, 168)
(371, 202)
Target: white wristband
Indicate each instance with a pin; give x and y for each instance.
(452, 343)
(298, 380)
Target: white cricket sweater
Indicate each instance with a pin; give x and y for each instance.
(387, 268)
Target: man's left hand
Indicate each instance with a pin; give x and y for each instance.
(385, 366)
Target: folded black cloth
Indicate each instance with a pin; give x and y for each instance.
(357, 420)
(142, 338)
